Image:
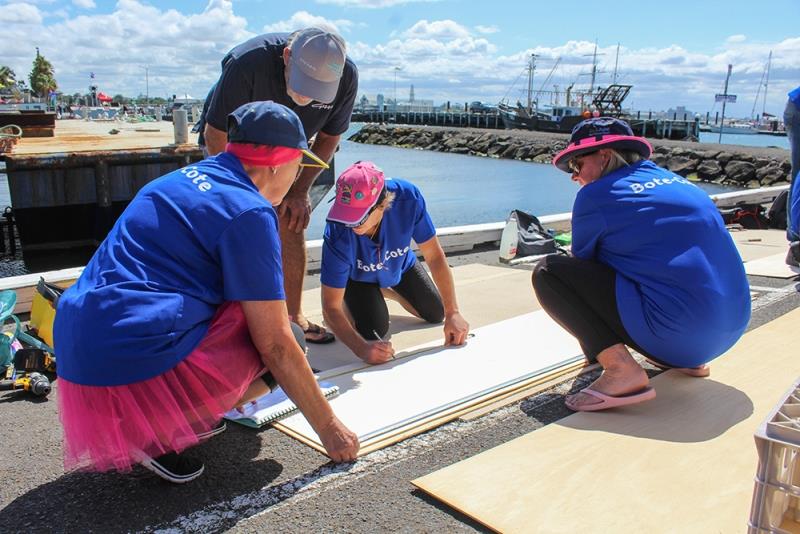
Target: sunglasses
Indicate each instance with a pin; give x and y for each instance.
(377, 205)
(317, 162)
(576, 163)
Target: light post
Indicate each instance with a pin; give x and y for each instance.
(146, 86)
(395, 91)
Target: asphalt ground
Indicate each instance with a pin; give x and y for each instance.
(259, 481)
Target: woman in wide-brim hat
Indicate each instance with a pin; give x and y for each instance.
(653, 268)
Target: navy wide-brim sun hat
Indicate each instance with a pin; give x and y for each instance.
(601, 132)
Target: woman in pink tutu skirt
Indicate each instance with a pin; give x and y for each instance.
(180, 315)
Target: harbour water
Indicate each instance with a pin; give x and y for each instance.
(463, 189)
(761, 140)
(459, 189)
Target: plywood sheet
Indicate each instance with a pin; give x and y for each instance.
(684, 462)
(773, 266)
(391, 398)
(756, 244)
(486, 294)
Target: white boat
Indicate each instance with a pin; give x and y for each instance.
(744, 128)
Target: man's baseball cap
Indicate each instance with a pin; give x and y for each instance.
(359, 188)
(274, 127)
(316, 64)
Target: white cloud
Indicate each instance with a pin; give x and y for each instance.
(304, 19)
(445, 60)
(487, 29)
(437, 29)
(20, 14)
(371, 4)
(739, 38)
(85, 4)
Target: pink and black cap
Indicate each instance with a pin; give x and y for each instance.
(359, 189)
(601, 132)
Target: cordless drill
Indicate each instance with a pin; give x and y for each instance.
(35, 383)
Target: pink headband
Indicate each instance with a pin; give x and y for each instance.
(263, 155)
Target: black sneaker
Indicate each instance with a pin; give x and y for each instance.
(174, 467)
(219, 429)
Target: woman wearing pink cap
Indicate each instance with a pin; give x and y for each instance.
(367, 256)
(181, 315)
(654, 268)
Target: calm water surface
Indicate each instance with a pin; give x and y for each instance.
(458, 189)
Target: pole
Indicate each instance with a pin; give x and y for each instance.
(616, 62)
(531, 69)
(146, 87)
(766, 84)
(395, 92)
(724, 101)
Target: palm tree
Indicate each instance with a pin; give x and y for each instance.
(7, 77)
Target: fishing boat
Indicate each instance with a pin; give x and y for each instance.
(579, 105)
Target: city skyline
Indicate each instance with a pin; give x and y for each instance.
(450, 50)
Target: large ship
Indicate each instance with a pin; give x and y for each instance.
(596, 101)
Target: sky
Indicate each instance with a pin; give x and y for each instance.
(673, 53)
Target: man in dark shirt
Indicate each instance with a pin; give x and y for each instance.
(308, 72)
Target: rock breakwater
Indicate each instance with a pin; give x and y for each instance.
(723, 164)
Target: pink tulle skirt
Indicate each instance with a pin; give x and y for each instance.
(115, 427)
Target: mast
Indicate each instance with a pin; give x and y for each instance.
(724, 101)
(616, 62)
(531, 69)
(594, 68)
(766, 85)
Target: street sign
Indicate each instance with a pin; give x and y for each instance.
(725, 98)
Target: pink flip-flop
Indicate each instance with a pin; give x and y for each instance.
(607, 401)
(698, 372)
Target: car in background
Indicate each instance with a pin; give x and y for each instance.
(480, 107)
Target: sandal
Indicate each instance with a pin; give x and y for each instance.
(698, 372)
(608, 401)
(318, 334)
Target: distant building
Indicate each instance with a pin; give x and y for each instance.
(379, 103)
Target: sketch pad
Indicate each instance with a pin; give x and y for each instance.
(272, 407)
(683, 462)
(389, 402)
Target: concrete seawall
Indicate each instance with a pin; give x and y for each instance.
(735, 165)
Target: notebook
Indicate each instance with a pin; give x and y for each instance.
(273, 406)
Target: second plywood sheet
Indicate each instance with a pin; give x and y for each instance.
(773, 266)
(388, 398)
(683, 462)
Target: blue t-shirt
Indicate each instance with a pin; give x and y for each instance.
(188, 242)
(682, 292)
(794, 96)
(347, 256)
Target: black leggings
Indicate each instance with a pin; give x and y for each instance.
(580, 295)
(368, 307)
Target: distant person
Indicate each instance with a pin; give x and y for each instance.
(200, 127)
(791, 120)
(308, 72)
(654, 268)
(180, 315)
(367, 256)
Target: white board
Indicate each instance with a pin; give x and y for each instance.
(382, 399)
(773, 266)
